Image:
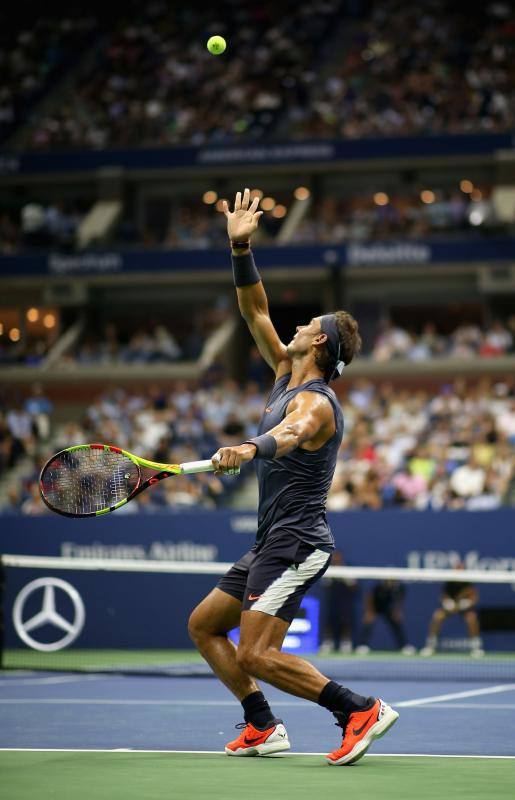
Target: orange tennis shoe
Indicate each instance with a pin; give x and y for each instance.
(253, 742)
(359, 731)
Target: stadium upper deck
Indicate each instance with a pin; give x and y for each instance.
(427, 212)
(324, 69)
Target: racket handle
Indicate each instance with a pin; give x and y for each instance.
(191, 467)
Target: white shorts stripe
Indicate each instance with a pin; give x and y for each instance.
(278, 592)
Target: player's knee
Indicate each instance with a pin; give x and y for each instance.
(244, 658)
(249, 659)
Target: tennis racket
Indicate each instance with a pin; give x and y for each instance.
(89, 480)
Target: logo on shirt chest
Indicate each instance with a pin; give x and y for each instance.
(268, 409)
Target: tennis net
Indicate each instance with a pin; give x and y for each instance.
(130, 616)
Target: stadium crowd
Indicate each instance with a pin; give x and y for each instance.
(139, 90)
(332, 218)
(427, 214)
(39, 226)
(132, 337)
(454, 73)
(156, 343)
(453, 449)
(147, 345)
(187, 424)
(24, 426)
(450, 448)
(466, 341)
(34, 51)
(292, 70)
(187, 223)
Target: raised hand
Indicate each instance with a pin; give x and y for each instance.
(243, 221)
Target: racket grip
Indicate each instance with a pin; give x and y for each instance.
(191, 467)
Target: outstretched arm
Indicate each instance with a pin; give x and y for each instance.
(252, 300)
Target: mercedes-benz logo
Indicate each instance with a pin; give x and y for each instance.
(49, 614)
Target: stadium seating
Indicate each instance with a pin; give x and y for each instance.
(34, 53)
(291, 70)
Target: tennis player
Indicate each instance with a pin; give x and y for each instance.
(295, 454)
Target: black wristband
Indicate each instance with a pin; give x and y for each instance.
(244, 270)
(266, 445)
(240, 245)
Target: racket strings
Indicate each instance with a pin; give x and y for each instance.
(86, 481)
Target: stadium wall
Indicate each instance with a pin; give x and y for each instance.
(157, 605)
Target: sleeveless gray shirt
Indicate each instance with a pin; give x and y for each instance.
(293, 489)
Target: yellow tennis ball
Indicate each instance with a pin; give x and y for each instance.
(216, 45)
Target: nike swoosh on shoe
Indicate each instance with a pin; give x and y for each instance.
(357, 731)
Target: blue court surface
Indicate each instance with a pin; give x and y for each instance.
(110, 712)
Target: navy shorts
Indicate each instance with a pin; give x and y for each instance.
(275, 578)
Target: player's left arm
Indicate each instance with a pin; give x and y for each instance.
(309, 421)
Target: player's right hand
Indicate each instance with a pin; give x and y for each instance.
(243, 221)
(228, 460)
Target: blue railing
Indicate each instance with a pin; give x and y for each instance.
(257, 153)
(412, 254)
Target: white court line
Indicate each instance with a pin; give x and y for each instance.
(49, 680)
(214, 703)
(505, 687)
(115, 702)
(475, 706)
(19, 673)
(221, 753)
(421, 701)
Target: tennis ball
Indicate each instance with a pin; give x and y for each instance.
(216, 45)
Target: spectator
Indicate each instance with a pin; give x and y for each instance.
(392, 342)
(497, 340)
(39, 409)
(458, 597)
(61, 225)
(340, 496)
(33, 504)
(469, 479)
(339, 596)
(20, 426)
(385, 599)
(33, 226)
